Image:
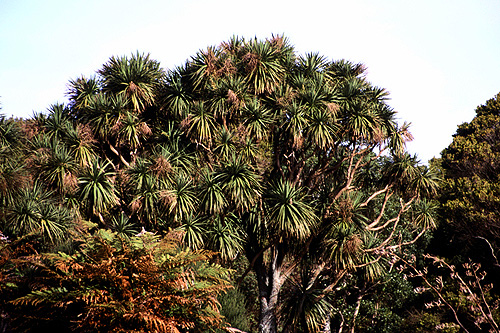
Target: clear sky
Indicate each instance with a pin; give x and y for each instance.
(440, 59)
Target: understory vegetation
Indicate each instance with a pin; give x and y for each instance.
(250, 189)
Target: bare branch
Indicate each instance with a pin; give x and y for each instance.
(382, 211)
(491, 248)
(404, 207)
(370, 198)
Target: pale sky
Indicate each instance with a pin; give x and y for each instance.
(440, 59)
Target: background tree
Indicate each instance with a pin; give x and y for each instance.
(466, 241)
(471, 189)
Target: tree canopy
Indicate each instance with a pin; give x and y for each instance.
(294, 164)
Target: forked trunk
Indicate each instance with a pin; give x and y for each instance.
(267, 320)
(270, 281)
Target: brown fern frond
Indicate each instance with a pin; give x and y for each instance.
(112, 285)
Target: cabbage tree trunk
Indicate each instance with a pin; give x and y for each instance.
(270, 280)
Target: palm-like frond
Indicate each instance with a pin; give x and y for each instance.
(372, 267)
(135, 78)
(138, 174)
(344, 246)
(316, 93)
(233, 47)
(184, 200)
(103, 114)
(257, 118)
(148, 199)
(398, 138)
(305, 305)
(426, 181)
(348, 209)
(59, 169)
(225, 145)
(361, 122)
(344, 69)
(174, 97)
(96, 188)
(82, 90)
(133, 130)
(285, 50)
(425, 214)
(295, 122)
(322, 128)
(34, 212)
(10, 132)
(24, 215)
(262, 66)
(227, 96)
(41, 144)
(212, 198)
(239, 182)
(352, 91)
(194, 231)
(249, 150)
(289, 212)
(345, 239)
(57, 121)
(205, 67)
(13, 177)
(201, 123)
(54, 221)
(171, 156)
(312, 64)
(219, 103)
(405, 172)
(123, 226)
(225, 236)
(237, 93)
(81, 143)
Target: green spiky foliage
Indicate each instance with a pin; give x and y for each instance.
(81, 91)
(13, 175)
(35, 211)
(96, 190)
(59, 151)
(37, 171)
(123, 226)
(134, 77)
(138, 283)
(113, 105)
(305, 304)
